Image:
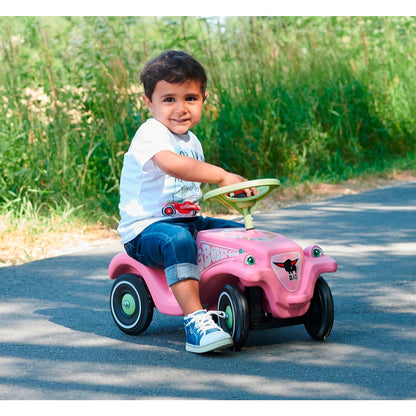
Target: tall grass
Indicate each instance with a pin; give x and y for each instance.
(324, 97)
(295, 98)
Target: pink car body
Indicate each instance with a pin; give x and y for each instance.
(284, 271)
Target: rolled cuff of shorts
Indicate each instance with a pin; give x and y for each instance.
(179, 272)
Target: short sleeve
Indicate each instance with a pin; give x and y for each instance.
(151, 138)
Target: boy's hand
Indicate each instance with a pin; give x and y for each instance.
(232, 178)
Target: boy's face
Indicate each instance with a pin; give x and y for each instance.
(177, 106)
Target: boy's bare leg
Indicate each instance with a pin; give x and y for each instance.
(186, 293)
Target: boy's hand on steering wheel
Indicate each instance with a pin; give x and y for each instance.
(232, 178)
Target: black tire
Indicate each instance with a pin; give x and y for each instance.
(320, 316)
(233, 302)
(131, 304)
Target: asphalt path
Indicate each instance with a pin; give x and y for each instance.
(58, 339)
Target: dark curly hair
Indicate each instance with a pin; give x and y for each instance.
(172, 66)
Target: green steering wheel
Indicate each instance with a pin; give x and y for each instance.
(244, 205)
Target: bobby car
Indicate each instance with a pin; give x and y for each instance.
(260, 279)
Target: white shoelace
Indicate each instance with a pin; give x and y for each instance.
(204, 322)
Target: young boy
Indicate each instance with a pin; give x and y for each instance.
(160, 189)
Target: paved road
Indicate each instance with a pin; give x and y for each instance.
(58, 340)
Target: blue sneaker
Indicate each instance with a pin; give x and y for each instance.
(203, 334)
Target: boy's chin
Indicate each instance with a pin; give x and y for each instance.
(178, 130)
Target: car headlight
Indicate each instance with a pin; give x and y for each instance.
(250, 260)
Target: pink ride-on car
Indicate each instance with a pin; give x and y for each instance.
(259, 278)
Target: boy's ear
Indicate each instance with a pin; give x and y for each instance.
(205, 96)
(147, 101)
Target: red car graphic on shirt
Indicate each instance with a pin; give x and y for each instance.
(186, 208)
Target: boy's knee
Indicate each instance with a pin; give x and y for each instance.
(179, 272)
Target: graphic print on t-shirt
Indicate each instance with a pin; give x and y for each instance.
(182, 191)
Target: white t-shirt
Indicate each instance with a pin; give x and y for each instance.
(147, 194)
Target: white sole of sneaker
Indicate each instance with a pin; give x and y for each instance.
(223, 343)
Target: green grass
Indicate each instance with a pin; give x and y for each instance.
(297, 98)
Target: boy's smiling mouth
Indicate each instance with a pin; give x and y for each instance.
(177, 120)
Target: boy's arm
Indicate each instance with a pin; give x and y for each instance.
(192, 170)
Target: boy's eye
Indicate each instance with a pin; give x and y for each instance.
(172, 99)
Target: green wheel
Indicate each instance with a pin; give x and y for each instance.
(320, 316)
(131, 304)
(233, 302)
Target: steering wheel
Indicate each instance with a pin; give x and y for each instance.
(243, 204)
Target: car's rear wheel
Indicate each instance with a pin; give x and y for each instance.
(131, 304)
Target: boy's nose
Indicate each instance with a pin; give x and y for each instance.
(181, 106)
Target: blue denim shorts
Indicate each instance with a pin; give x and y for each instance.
(171, 245)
